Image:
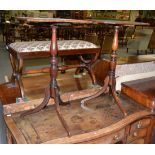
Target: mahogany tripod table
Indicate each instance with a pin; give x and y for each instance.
(109, 83)
(19, 51)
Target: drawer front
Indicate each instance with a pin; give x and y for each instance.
(138, 141)
(136, 134)
(143, 123)
(113, 138)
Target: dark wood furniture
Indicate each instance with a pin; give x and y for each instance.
(53, 91)
(110, 81)
(142, 91)
(120, 23)
(104, 124)
(17, 57)
(9, 92)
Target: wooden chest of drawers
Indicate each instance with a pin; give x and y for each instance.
(142, 91)
(139, 131)
(104, 124)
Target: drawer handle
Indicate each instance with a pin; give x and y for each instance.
(139, 125)
(135, 134)
(116, 137)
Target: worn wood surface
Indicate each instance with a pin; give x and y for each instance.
(13, 108)
(34, 86)
(45, 127)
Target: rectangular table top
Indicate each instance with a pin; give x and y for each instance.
(142, 91)
(54, 20)
(120, 23)
(92, 21)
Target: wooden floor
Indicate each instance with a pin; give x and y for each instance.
(34, 85)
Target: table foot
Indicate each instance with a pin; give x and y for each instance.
(90, 72)
(118, 102)
(53, 94)
(105, 89)
(41, 106)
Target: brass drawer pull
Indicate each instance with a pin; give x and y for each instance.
(135, 134)
(116, 137)
(139, 125)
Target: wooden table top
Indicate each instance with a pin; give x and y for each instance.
(120, 23)
(54, 20)
(146, 86)
(63, 20)
(45, 127)
(141, 91)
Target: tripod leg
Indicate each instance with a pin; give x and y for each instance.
(118, 102)
(91, 73)
(103, 90)
(60, 101)
(41, 106)
(77, 71)
(57, 107)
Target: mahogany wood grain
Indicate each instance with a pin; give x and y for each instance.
(140, 133)
(120, 23)
(142, 91)
(62, 20)
(9, 92)
(54, 20)
(45, 54)
(101, 69)
(138, 141)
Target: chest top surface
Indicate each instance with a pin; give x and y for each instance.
(103, 118)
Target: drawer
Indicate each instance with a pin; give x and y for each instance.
(143, 123)
(136, 134)
(113, 138)
(138, 141)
